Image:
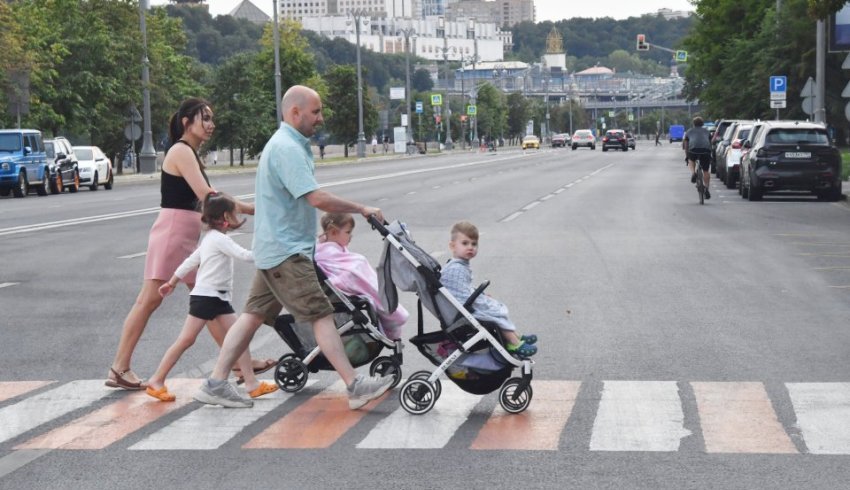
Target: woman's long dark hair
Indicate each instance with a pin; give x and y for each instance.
(190, 108)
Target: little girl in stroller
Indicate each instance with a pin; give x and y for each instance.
(364, 326)
(469, 351)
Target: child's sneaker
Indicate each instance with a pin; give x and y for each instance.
(522, 349)
(364, 389)
(530, 339)
(223, 394)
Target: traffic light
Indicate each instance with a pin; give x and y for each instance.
(642, 45)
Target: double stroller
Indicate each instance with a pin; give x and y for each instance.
(468, 351)
(357, 324)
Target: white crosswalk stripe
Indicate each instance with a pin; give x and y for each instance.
(823, 415)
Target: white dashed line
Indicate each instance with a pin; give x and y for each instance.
(7, 284)
(133, 256)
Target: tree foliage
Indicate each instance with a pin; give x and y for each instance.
(342, 99)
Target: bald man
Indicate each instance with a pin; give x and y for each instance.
(285, 224)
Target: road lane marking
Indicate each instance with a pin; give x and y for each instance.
(739, 418)
(316, 423)
(639, 416)
(209, 428)
(109, 424)
(432, 430)
(11, 389)
(539, 427)
(8, 284)
(133, 256)
(823, 415)
(32, 412)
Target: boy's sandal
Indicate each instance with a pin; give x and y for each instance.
(161, 394)
(523, 350)
(263, 389)
(121, 382)
(530, 339)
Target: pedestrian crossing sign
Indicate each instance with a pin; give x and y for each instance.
(471, 110)
(436, 99)
(681, 56)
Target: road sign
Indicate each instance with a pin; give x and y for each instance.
(777, 104)
(436, 99)
(472, 109)
(847, 111)
(681, 56)
(809, 105)
(808, 89)
(396, 93)
(778, 95)
(631, 117)
(611, 114)
(132, 132)
(846, 92)
(778, 83)
(419, 107)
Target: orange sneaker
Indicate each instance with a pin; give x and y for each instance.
(162, 394)
(263, 389)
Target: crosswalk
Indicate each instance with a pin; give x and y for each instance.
(652, 416)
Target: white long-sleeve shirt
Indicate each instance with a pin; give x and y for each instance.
(214, 260)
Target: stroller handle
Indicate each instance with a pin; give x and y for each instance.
(377, 225)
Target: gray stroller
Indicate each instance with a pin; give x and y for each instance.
(470, 352)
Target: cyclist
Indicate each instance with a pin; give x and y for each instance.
(697, 146)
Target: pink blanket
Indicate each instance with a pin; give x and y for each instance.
(351, 273)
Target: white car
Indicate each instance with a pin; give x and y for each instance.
(95, 167)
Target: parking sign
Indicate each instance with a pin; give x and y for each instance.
(419, 107)
(779, 83)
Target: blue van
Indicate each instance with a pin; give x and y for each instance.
(677, 132)
(23, 163)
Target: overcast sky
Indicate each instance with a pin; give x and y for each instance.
(546, 9)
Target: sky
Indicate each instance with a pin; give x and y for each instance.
(546, 9)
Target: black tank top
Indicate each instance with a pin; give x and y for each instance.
(176, 192)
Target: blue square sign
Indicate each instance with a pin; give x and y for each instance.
(779, 83)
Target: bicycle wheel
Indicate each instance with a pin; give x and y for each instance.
(700, 186)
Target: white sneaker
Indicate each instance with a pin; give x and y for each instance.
(224, 395)
(365, 389)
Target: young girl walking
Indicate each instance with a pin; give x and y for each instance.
(209, 301)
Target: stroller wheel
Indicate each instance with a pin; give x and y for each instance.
(424, 375)
(514, 401)
(385, 366)
(290, 374)
(417, 396)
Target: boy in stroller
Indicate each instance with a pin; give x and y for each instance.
(456, 276)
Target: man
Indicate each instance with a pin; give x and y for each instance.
(285, 224)
(697, 146)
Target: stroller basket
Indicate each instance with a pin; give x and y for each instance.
(479, 371)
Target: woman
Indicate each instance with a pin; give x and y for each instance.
(175, 233)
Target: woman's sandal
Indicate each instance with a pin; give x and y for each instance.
(120, 382)
(269, 363)
(263, 389)
(161, 394)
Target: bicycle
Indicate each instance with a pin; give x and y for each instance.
(699, 173)
(700, 184)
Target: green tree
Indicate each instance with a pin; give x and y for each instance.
(492, 112)
(342, 99)
(421, 81)
(519, 112)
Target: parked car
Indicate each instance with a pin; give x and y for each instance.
(616, 139)
(677, 132)
(630, 140)
(23, 163)
(95, 167)
(716, 137)
(746, 147)
(531, 141)
(583, 137)
(725, 141)
(560, 140)
(64, 167)
(791, 155)
(729, 162)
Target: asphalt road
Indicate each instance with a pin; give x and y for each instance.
(681, 346)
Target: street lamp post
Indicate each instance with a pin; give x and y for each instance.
(147, 157)
(448, 141)
(471, 29)
(277, 88)
(357, 14)
(462, 105)
(546, 82)
(407, 33)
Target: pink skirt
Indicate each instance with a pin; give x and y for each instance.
(173, 237)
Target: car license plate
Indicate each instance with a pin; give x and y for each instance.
(798, 154)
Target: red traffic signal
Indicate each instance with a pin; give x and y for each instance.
(641, 44)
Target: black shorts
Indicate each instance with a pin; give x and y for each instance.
(701, 156)
(208, 307)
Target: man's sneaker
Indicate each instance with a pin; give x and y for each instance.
(707, 194)
(365, 389)
(694, 178)
(223, 394)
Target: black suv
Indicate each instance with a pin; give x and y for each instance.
(64, 167)
(615, 138)
(791, 155)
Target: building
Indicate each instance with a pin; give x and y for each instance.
(435, 38)
(673, 14)
(505, 13)
(248, 11)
